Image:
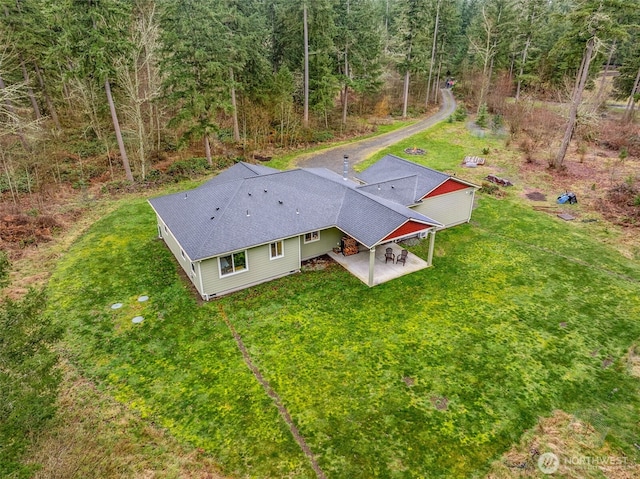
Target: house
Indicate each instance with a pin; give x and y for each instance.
(251, 224)
(445, 198)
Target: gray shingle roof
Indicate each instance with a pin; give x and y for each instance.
(391, 167)
(232, 214)
(239, 171)
(399, 190)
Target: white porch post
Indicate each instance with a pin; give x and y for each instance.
(372, 262)
(432, 241)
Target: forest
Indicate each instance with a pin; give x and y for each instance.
(109, 89)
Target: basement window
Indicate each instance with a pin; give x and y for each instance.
(233, 263)
(276, 249)
(311, 237)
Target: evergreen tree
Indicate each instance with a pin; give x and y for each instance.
(197, 54)
(359, 48)
(92, 34)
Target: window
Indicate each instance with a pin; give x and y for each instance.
(276, 249)
(165, 229)
(233, 263)
(311, 237)
(182, 254)
(193, 267)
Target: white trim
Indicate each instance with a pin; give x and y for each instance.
(200, 277)
(472, 193)
(312, 240)
(234, 272)
(278, 256)
(428, 227)
(453, 178)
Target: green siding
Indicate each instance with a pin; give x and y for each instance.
(449, 209)
(185, 262)
(261, 268)
(329, 239)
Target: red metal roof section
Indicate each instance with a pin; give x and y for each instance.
(406, 229)
(447, 187)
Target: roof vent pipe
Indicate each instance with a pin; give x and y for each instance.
(345, 167)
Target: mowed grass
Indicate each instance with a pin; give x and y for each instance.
(362, 370)
(434, 374)
(180, 367)
(446, 145)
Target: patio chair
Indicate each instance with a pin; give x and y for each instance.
(402, 257)
(389, 255)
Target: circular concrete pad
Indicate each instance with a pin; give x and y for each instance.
(116, 306)
(137, 319)
(142, 299)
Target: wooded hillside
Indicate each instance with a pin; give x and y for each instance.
(128, 81)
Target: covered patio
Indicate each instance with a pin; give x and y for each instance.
(369, 266)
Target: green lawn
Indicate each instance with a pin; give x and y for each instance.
(434, 374)
(446, 145)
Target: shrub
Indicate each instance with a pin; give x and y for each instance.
(190, 167)
(460, 114)
(489, 188)
(482, 119)
(497, 123)
(5, 267)
(321, 136)
(624, 153)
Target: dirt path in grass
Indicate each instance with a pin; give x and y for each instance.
(275, 397)
(358, 151)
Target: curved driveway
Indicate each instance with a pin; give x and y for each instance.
(360, 150)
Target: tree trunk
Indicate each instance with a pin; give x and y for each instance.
(436, 86)
(433, 52)
(116, 127)
(628, 112)
(207, 150)
(524, 59)
(305, 120)
(345, 91)
(234, 108)
(405, 95)
(50, 107)
(386, 29)
(8, 175)
(598, 99)
(32, 97)
(11, 110)
(582, 76)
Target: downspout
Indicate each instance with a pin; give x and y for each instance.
(473, 196)
(200, 280)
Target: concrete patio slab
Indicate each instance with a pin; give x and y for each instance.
(358, 264)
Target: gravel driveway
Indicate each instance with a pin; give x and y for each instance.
(361, 150)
